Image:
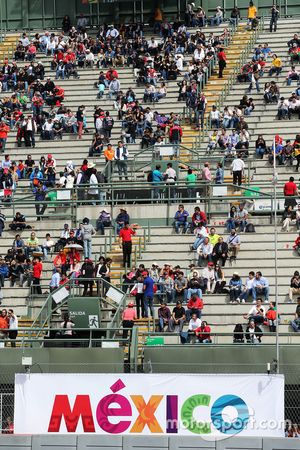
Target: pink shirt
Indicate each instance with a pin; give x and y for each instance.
(206, 175)
(129, 314)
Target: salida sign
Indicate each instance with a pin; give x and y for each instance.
(148, 404)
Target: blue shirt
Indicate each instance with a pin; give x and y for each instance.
(181, 216)
(157, 176)
(148, 285)
(261, 282)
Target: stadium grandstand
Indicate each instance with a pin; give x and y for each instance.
(149, 224)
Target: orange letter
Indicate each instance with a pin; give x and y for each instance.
(146, 414)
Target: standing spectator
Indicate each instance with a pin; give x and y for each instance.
(191, 179)
(237, 170)
(121, 218)
(206, 173)
(4, 130)
(219, 174)
(87, 231)
(13, 327)
(164, 316)
(181, 219)
(221, 61)
(295, 324)
(274, 17)
(107, 125)
(148, 295)
(37, 273)
(128, 318)
(125, 242)
(80, 120)
(40, 192)
(87, 273)
(290, 190)
(175, 134)
(121, 158)
(55, 279)
(252, 12)
(4, 325)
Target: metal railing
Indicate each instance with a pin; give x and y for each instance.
(72, 289)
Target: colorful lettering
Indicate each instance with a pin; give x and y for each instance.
(61, 408)
(187, 414)
(146, 413)
(240, 421)
(172, 414)
(104, 410)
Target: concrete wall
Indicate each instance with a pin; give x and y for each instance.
(142, 443)
(55, 360)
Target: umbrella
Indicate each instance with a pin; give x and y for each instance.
(76, 246)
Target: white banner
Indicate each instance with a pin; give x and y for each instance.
(207, 405)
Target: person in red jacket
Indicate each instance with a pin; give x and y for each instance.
(203, 333)
(4, 129)
(194, 306)
(37, 273)
(221, 61)
(290, 190)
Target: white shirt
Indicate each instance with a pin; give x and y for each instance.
(249, 283)
(194, 324)
(93, 181)
(237, 165)
(253, 311)
(55, 280)
(171, 173)
(208, 274)
(13, 322)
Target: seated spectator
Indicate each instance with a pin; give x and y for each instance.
(198, 217)
(208, 275)
(194, 286)
(260, 146)
(248, 289)
(295, 324)
(260, 287)
(293, 75)
(32, 245)
(288, 218)
(103, 221)
(178, 317)
(240, 218)
(180, 285)
(257, 312)
(220, 281)
(201, 233)
(235, 287)
(271, 317)
(164, 316)
(276, 66)
(19, 222)
(253, 333)
(230, 223)
(283, 109)
(294, 285)
(18, 243)
(121, 218)
(181, 219)
(204, 252)
(220, 252)
(194, 306)
(233, 242)
(203, 333)
(47, 246)
(194, 324)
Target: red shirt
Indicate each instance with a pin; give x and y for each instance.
(4, 322)
(126, 233)
(37, 270)
(198, 304)
(203, 332)
(290, 188)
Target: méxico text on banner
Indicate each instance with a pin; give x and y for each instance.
(206, 405)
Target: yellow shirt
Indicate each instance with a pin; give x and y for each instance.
(213, 240)
(277, 62)
(252, 11)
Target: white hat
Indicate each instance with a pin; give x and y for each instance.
(90, 165)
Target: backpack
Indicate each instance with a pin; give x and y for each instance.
(150, 177)
(250, 228)
(108, 123)
(100, 178)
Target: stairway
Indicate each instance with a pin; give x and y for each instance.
(215, 85)
(116, 255)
